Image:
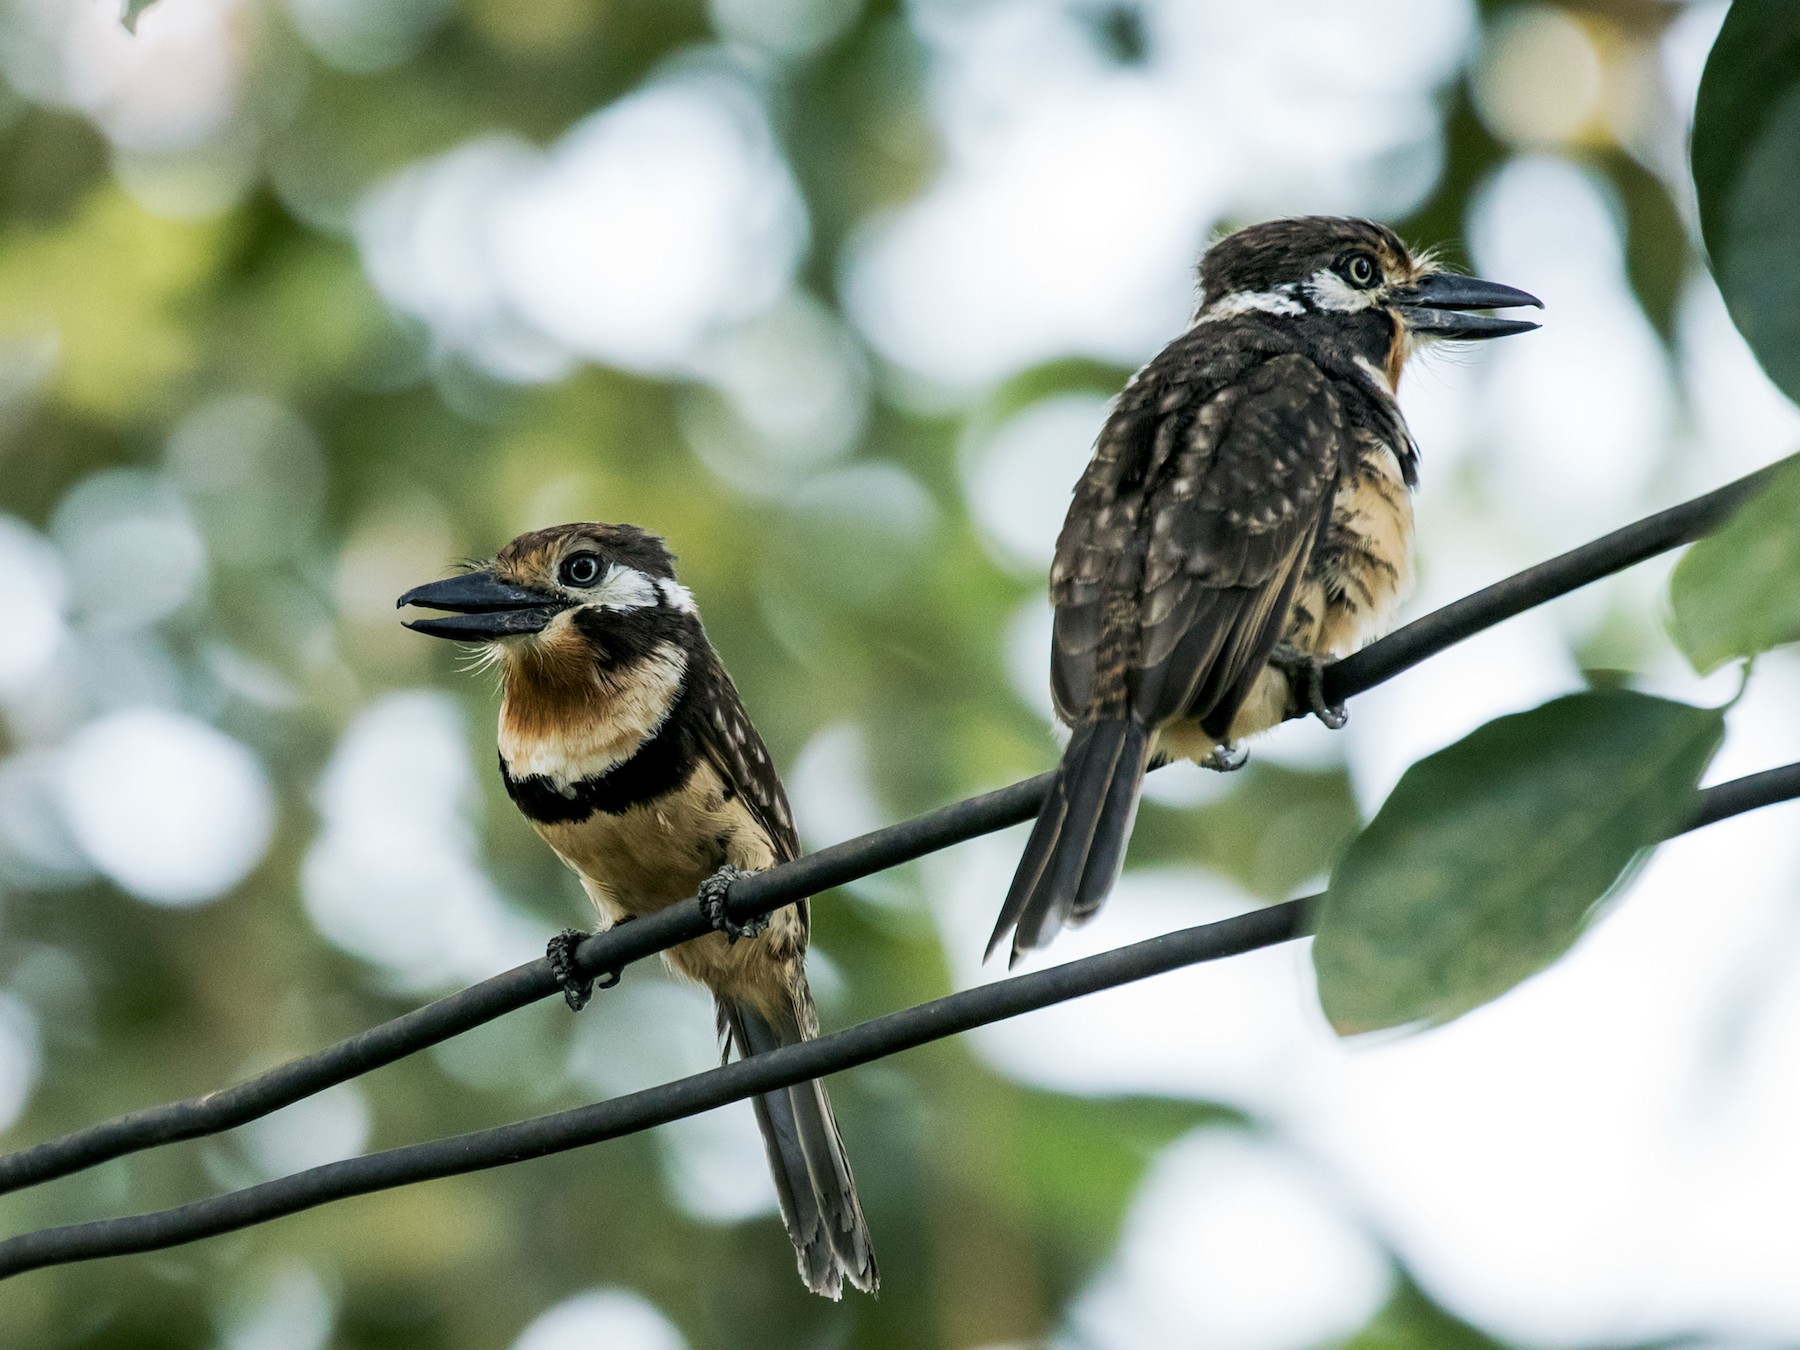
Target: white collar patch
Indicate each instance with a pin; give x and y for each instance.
(625, 588)
(1281, 300)
(676, 595)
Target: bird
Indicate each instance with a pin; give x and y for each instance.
(1246, 518)
(624, 743)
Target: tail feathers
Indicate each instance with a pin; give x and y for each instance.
(812, 1175)
(1078, 844)
(806, 1226)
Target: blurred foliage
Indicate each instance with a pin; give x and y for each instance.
(1486, 861)
(993, 1203)
(1412, 1322)
(1733, 595)
(1746, 161)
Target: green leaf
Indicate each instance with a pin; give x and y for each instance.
(1737, 592)
(1483, 865)
(1746, 160)
(133, 8)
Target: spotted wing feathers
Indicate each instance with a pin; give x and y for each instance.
(1187, 536)
(1173, 577)
(730, 742)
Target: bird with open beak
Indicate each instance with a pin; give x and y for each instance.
(624, 743)
(1245, 519)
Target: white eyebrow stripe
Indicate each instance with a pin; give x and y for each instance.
(676, 595)
(1278, 301)
(625, 588)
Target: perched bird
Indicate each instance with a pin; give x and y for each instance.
(1246, 517)
(624, 743)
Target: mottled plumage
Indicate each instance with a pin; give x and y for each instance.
(623, 741)
(1247, 499)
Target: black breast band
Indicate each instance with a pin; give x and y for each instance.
(657, 767)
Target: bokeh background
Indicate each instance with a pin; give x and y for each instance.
(303, 300)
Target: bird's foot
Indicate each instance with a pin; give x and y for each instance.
(560, 953)
(1307, 672)
(715, 893)
(1226, 757)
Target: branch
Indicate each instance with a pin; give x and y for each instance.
(818, 872)
(860, 1044)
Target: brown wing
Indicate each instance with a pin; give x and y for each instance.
(730, 743)
(1187, 536)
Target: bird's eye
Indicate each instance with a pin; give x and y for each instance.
(580, 569)
(1360, 270)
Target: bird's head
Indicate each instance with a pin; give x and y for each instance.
(1350, 283)
(564, 597)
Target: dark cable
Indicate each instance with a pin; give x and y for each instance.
(859, 1044)
(500, 994)
(818, 872)
(1406, 647)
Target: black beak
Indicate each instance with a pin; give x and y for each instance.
(488, 608)
(1436, 306)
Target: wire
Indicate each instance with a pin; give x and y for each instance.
(859, 1044)
(817, 873)
(1746, 794)
(1406, 647)
(753, 895)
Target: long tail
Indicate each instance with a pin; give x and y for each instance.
(806, 1154)
(1078, 844)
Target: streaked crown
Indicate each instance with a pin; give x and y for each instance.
(573, 557)
(592, 572)
(1341, 275)
(1277, 253)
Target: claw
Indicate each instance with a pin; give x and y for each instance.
(1293, 662)
(1226, 757)
(560, 953)
(715, 892)
(1334, 715)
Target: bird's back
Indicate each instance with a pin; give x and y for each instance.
(1197, 518)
